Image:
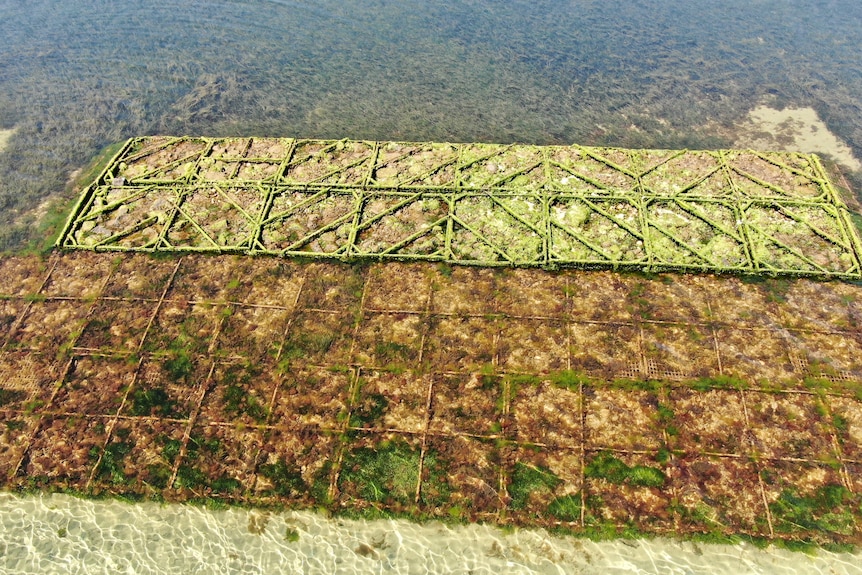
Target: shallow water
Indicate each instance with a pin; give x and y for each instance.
(55, 533)
(76, 76)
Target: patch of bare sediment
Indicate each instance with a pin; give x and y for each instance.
(5, 135)
(793, 130)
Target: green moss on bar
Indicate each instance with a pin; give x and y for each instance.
(726, 211)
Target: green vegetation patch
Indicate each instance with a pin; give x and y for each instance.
(386, 474)
(527, 479)
(827, 510)
(606, 466)
(234, 389)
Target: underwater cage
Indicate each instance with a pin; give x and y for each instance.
(592, 403)
(475, 204)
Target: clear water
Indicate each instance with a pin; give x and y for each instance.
(76, 76)
(60, 534)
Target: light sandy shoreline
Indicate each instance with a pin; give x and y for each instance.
(793, 130)
(54, 533)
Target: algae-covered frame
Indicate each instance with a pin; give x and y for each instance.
(412, 224)
(156, 159)
(725, 211)
(218, 217)
(341, 162)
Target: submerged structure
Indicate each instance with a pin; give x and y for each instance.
(597, 402)
(478, 204)
(594, 402)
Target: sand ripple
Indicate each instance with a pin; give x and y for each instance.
(53, 533)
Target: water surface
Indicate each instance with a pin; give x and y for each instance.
(75, 76)
(46, 534)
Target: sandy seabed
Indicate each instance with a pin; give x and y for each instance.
(5, 135)
(54, 533)
(794, 129)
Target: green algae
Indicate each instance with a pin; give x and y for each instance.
(504, 205)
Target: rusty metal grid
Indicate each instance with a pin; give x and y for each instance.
(428, 363)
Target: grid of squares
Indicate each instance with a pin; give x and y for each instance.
(482, 204)
(586, 400)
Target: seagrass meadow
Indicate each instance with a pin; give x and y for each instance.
(286, 323)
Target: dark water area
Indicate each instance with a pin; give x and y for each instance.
(76, 76)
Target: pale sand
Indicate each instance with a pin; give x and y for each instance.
(46, 533)
(4, 138)
(793, 130)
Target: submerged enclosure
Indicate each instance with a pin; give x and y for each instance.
(594, 402)
(480, 204)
